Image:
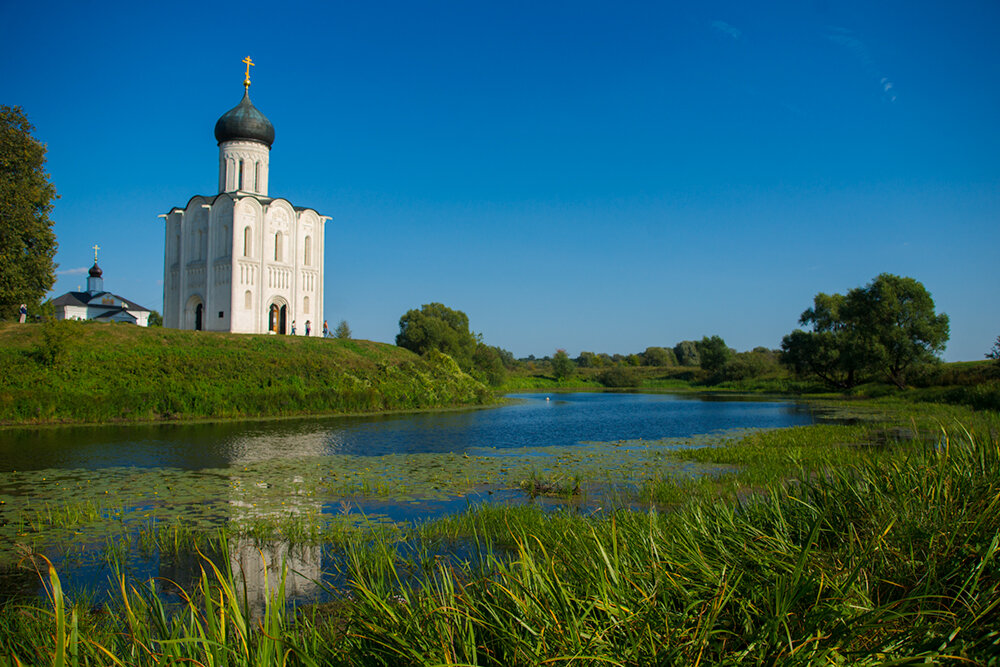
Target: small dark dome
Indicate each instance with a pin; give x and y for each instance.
(95, 271)
(244, 122)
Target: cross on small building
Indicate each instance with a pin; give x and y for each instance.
(96, 248)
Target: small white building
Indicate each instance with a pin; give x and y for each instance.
(96, 304)
(241, 260)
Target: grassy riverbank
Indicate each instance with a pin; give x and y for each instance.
(863, 544)
(62, 372)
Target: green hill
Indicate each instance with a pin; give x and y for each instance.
(73, 371)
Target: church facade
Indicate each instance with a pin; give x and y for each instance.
(241, 260)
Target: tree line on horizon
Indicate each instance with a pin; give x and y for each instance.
(886, 331)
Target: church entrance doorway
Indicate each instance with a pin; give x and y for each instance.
(194, 314)
(276, 318)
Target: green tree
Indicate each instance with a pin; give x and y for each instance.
(829, 351)
(659, 356)
(894, 321)
(342, 330)
(757, 363)
(687, 353)
(713, 353)
(883, 329)
(562, 365)
(995, 352)
(507, 358)
(27, 242)
(437, 327)
(488, 364)
(155, 319)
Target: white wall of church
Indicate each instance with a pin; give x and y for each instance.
(172, 245)
(243, 167)
(237, 259)
(247, 240)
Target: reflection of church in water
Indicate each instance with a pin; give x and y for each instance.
(240, 260)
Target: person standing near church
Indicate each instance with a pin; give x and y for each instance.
(308, 327)
(293, 327)
(326, 330)
(24, 313)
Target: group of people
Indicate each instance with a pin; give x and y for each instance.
(326, 329)
(308, 327)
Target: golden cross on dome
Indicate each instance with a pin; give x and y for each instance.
(246, 81)
(96, 248)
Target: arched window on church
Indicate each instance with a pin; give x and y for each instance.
(248, 241)
(248, 300)
(239, 177)
(307, 252)
(277, 246)
(305, 304)
(256, 177)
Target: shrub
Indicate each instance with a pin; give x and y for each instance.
(619, 376)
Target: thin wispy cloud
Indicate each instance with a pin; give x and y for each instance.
(845, 38)
(727, 29)
(79, 271)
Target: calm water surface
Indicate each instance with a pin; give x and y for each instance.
(530, 420)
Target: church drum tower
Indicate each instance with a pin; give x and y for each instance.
(242, 261)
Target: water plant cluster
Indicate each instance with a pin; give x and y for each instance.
(865, 544)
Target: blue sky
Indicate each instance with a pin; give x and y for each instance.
(578, 175)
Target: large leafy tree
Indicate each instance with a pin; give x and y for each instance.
(27, 242)
(896, 325)
(437, 327)
(880, 330)
(713, 353)
(659, 356)
(829, 351)
(686, 353)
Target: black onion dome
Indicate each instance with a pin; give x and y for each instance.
(244, 122)
(95, 271)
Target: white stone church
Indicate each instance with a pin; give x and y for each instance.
(240, 260)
